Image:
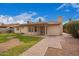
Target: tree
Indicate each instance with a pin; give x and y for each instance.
(72, 28)
(40, 20)
(70, 19)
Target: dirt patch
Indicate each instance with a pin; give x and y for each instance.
(9, 44)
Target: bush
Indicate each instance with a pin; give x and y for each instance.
(72, 28)
(67, 28)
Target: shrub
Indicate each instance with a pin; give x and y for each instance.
(67, 28)
(74, 30)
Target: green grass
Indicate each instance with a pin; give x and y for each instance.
(16, 50)
(27, 39)
(28, 42)
(4, 37)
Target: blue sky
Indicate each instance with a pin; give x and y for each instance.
(50, 11)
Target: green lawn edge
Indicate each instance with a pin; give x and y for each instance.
(28, 41)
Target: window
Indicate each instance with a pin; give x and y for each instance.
(29, 29)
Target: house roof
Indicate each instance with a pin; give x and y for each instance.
(41, 23)
(8, 25)
(35, 23)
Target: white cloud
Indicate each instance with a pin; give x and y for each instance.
(4, 19)
(21, 21)
(61, 6)
(16, 19)
(22, 18)
(34, 13)
(75, 5)
(65, 22)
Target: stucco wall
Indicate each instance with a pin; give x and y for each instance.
(51, 30)
(54, 30)
(24, 29)
(16, 31)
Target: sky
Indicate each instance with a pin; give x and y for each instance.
(21, 12)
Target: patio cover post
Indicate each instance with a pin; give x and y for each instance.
(45, 29)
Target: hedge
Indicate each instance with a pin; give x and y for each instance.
(72, 28)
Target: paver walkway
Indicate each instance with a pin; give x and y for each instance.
(9, 44)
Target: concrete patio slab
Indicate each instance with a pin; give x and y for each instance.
(54, 42)
(70, 47)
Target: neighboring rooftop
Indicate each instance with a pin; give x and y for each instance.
(8, 25)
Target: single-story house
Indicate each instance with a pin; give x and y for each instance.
(7, 28)
(41, 28)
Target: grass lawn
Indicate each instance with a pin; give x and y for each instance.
(4, 37)
(28, 42)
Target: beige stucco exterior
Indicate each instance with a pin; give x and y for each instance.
(53, 30)
(24, 29)
(16, 30)
(42, 28)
